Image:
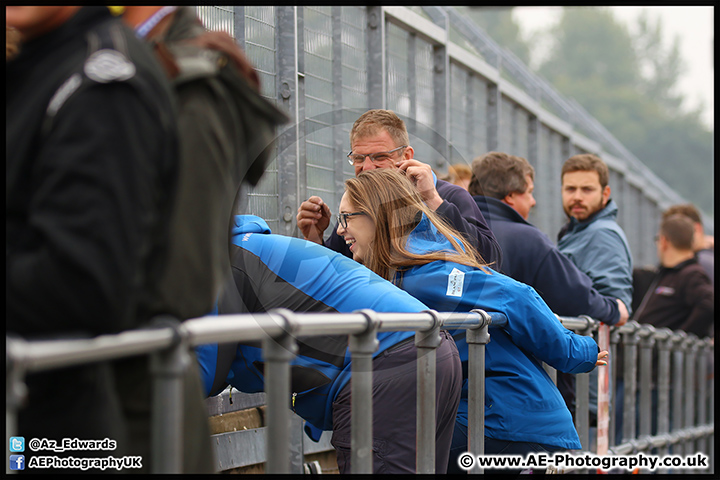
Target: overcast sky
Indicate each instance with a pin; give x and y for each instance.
(695, 27)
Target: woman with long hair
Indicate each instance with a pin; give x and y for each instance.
(392, 232)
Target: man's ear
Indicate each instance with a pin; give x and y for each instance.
(408, 153)
(509, 199)
(606, 195)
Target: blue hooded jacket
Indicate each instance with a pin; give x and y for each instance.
(277, 271)
(521, 401)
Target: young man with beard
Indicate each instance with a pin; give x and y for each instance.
(592, 238)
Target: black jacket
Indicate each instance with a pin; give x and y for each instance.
(680, 298)
(91, 164)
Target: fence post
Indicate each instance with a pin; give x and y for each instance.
(582, 394)
(702, 392)
(168, 370)
(710, 381)
(630, 380)
(677, 419)
(647, 341)
(427, 342)
(690, 347)
(614, 341)
(477, 338)
(362, 346)
(277, 354)
(663, 389)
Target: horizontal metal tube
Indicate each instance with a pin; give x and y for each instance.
(49, 354)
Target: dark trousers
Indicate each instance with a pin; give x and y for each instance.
(395, 406)
(75, 402)
(492, 447)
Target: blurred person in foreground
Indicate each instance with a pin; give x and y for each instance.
(91, 171)
(224, 127)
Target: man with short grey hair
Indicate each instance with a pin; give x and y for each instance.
(379, 139)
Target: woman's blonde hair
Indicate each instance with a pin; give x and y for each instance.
(390, 199)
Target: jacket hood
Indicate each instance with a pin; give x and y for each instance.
(249, 224)
(425, 238)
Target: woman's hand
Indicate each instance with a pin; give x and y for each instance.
(602, 358)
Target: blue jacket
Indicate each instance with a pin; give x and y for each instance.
(531, 257)
(273, 271)
(599, 248)
(521, 401)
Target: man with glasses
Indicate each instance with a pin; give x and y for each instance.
(379, 139)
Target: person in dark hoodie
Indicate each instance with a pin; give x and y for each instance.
(276, 271)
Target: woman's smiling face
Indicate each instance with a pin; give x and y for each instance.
(359, 232)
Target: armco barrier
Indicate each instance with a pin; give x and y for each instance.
(692, 392)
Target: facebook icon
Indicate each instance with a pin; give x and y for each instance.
(17, 462)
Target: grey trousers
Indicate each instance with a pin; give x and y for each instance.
(395, 405)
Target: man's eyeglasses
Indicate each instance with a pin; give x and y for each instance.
(358, 158)
(342, 217)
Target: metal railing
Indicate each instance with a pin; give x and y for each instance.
(692, 388)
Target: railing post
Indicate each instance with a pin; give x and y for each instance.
(630, 379)
(690, 347)
(477, 338)
(582, 395)
(362, 346)
(647, 341)
(168, 370)
(277, 354)
(663, 390)
(710, 381)
(702, 392)
(614, 341)
(677, 398)
(427, 342)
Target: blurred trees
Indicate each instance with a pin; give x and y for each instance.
(628, 82)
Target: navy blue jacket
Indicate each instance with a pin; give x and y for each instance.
(277, 271)
(530, 257)
(458, 209)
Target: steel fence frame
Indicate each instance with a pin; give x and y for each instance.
(169, 344)
(326, 65)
